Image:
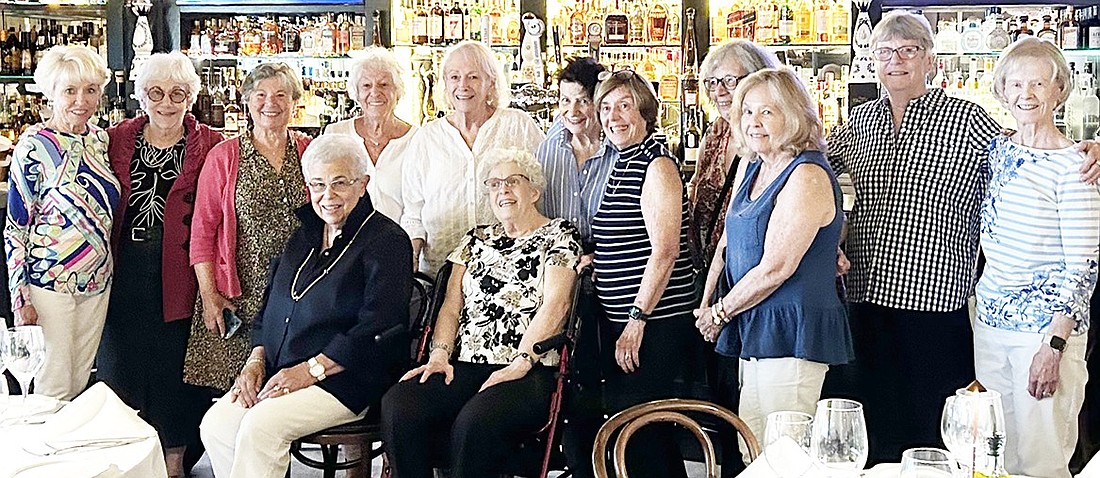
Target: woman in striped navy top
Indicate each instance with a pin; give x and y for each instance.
(644, 278)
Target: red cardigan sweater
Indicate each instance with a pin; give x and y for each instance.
(178, 281)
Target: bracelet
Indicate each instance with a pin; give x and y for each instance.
(531, 359)
(440, 346)
(718, 313)
(254, 360)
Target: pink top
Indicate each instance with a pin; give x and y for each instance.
(214, 225)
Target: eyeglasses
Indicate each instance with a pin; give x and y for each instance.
(338, 186)
(728, 81)
(905, 52)
(623, 74)
(494, 184)
(177, 95)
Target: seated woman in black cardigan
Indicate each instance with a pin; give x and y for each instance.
(345, 277)
(509, 289)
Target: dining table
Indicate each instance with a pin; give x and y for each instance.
(95, 436)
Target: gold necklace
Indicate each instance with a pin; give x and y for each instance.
(294, 285)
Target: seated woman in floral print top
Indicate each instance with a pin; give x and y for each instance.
(509, 289)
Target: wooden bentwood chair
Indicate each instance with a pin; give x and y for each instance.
(540, 453)
(366, 432)
(668, 410)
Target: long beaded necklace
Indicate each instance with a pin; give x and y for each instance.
(294, 285)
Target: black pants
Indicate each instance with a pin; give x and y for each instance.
(907, 364)
(583, 409)
(477, 428)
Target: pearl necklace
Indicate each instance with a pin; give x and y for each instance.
(294, 285)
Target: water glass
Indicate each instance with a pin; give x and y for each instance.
(839, 439)
(926, 463)
(785, 432)
(23, 352)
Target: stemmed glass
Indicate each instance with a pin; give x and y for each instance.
(839, 439)
(926, 463)
(972, 424)
(786, 431)
(23, 352)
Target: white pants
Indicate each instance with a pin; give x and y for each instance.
(72, 326)
(1040, 434)
(255, 442)
(776, 385)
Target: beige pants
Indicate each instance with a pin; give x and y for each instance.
(776, 385)
(1040, 435)
(255, 442)
(72, 326)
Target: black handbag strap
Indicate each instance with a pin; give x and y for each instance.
(726, 187)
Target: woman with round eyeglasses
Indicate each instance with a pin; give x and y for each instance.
(484, 387)
(157, 158)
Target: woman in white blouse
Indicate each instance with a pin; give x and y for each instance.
(439, 191)
(376, 84)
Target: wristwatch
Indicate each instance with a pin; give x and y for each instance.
(1057, 343)
(636, 313)
(316, 369)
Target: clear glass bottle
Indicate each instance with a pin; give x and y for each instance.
(616, 26)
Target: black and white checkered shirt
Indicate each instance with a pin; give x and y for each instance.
(913, 232)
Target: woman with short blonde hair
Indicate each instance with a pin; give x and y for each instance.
(61, 209)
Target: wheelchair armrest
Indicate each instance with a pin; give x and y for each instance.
(550, 343)
(389, 333)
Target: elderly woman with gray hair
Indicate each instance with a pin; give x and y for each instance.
(248, 191)
(157, 158)
(61, 208)
(440, 182)
(344, 278)
(376, 84)
(510, 288)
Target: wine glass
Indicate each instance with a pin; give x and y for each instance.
(23, 351)
(787, 432)
(839, 439)
(972, 423)
(926, 463)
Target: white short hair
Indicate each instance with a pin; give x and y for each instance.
(333, 148)
(522, 158)
(172, 67)
(376, 59)
(904, 25)
(485, 60)
(62, 65)
(1029, 52)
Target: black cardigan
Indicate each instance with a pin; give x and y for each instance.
(366, 292)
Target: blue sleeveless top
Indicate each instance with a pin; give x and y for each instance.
(803, 318)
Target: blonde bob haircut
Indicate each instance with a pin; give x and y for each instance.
(802, 128)
(379, 60)
(65, 65)
(645, 99)
(482, 58)
(1029, 52)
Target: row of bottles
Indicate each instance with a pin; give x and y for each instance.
(1082, 110)
(1068, 28)
(660, 66)
(23, 41)
(622, 22)
(319, 36)
(782, 21)
(419, 22)
(18, 111)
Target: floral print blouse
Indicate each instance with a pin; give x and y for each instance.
(502, 286)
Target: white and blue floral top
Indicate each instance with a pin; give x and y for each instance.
(1040, 231)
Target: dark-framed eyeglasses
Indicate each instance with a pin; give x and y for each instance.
(907, 52)
(177, 95)
(728, 81)
(338, 186)
(625, 73)
(495, 184)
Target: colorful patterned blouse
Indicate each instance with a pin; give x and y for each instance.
(61, 202)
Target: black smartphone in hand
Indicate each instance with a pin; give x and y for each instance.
(232, 322)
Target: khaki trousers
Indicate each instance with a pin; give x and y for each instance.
(71, 326)
(776, 385)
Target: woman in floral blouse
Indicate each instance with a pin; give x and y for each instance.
(509, 289)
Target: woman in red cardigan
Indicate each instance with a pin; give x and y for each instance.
(244, 214)
(157, 158)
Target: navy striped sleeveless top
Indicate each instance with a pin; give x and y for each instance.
(622, 244)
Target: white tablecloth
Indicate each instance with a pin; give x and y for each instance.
(96, 414)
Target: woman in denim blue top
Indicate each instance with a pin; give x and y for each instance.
(782, 317)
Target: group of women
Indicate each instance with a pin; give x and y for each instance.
(302, 254)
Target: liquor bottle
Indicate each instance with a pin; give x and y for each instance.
(511, 26)
(376, 31)
(232, 121)
(206, 40)
(940, 80)
(947, 37)
(804, 21)
(343, 35)
(1093, 29)
(420, 25)
(292, 38)
(577, 25)
(1069, 30)
(402, 21)
(971, 40)
(822, 31)
(252, 39)
(1048, 33)
(616, 26)
(691, 139)
(744, 21)
(719, 25)
(637, 23)
(496, 24)
(435, 24)
(998, 38)
(786, 23)
(455, 25)
(840, 21)
(766, 22)
(269, 37)
(14, 53)
(118, 103)
(3, 70)
(221, 39)
(27, 49)
(328, 35)
(691, 63)
(217, 106)
(1024, 29)
(672, 32)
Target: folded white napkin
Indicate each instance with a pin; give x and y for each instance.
(97, 414)
(784, 453)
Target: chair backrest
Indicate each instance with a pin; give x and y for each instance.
(669, 410)
(426, 321)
